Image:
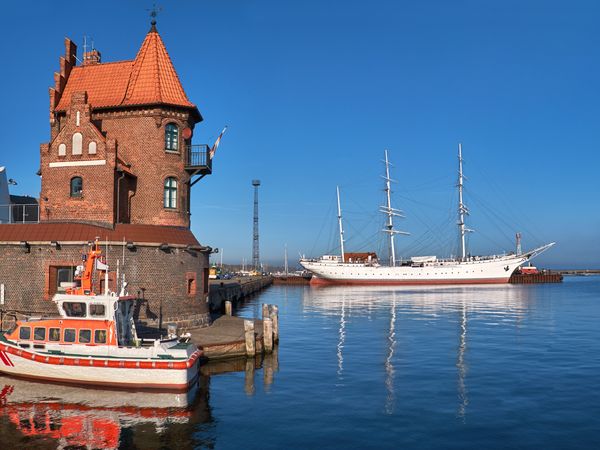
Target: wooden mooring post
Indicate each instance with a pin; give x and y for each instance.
(250, 339)
(268, 335)
(275, 320)
(228, 308)
(265, 310)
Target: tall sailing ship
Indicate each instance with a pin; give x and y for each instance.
(366, 269)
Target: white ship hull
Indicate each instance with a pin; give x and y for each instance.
(482, 271)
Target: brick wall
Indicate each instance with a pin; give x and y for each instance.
(94, 162)
(158, 279)
(140, 135)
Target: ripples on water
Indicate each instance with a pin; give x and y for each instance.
(371, 367)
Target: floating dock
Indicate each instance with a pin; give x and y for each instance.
(544, 276)
(291, 279)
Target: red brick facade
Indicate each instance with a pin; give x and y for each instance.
(159, 279)
(116, 137)
(109, 127)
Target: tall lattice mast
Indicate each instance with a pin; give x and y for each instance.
(255, 251)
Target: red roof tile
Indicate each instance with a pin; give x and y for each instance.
(149, 79)
(77, 232)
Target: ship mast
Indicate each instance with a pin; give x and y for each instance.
(340, 223)
(390, 212)
(462, 209)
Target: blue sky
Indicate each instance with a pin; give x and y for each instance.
(314, 91)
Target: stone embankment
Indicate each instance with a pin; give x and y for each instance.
(229, 336)
(235, 290)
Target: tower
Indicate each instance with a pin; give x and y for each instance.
(120, 148)
(255, 251)
(119, 164)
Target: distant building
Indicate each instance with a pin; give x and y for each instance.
(16, 208)
(119, 165)
(4, 197)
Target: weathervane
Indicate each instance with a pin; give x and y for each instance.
(153, 13)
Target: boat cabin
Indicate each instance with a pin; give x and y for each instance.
(86, 320)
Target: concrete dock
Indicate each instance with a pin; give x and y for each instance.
(233, 337)
(225, 338)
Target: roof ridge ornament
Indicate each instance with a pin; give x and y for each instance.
(153, 13)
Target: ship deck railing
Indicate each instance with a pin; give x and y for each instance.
(408, 262)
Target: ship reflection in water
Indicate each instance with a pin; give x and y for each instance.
(494, 304)
(33, 413)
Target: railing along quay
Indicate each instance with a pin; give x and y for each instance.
(20, 213)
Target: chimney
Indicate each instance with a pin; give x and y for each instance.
(91, 57)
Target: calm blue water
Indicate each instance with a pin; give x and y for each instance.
(377, 367)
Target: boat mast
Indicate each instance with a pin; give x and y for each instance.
(462, 209)
(390, 212)
(340, 223)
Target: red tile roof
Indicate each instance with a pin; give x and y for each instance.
(78, 232)
(149, 79)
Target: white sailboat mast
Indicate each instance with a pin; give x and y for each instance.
(390, 212)
(340, 223)
(462, 209)
(390, 223)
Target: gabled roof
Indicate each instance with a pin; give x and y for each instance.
(149, 79)
(105, 84)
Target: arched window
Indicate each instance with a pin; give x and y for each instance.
(171, 193)
(171, 137)
(77, 143)
(76, 186)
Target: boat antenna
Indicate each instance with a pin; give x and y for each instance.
(390, 212)
(340, 223)
(462, 208)
(106, 271)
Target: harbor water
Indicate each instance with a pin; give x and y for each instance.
(509, 366)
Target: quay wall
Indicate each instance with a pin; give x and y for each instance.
(235, 290)
(168, 285)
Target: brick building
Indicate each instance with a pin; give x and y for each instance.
(119, 165)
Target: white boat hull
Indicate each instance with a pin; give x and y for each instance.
(85, 370)
(483, 271)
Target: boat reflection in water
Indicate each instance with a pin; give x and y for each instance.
(491, 304)
(32, 413)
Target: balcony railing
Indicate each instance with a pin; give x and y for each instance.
(198, 158)
(16, 213)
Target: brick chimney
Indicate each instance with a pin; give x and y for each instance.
(91, 57)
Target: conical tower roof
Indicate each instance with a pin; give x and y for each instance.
(150, 79)
(153, 78)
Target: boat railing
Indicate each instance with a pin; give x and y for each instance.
(19, 213)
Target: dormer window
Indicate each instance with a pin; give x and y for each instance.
(76, 187)
(172, 137)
